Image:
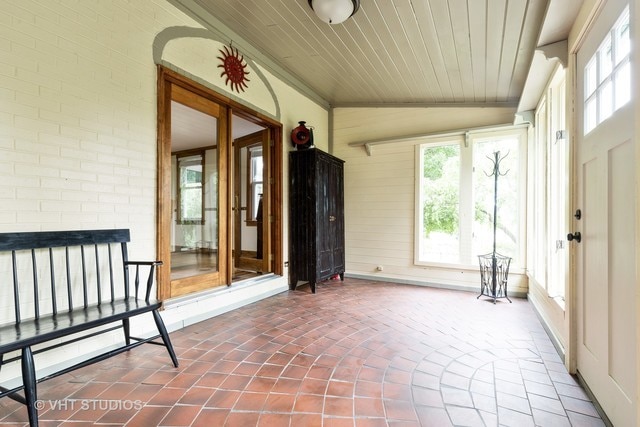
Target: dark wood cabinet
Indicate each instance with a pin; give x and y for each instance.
(316, 217)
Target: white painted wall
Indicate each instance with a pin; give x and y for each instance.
(380, 191)
(78, 132)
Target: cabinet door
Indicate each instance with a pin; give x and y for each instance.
(324, 240)
(302, 217)
(336, 216)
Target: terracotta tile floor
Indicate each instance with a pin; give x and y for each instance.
(356, 353)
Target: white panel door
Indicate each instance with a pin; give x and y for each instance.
(606, 266)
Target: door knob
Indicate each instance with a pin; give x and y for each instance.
(575, 236)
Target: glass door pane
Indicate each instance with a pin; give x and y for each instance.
(249, 172)
(194, 239)
(197, 226)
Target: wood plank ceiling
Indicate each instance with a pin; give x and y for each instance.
(394, 52)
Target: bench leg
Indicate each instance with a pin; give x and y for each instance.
(29, 381)
(127, 329)
(165, 337)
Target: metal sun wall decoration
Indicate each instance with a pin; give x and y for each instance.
(234, 68)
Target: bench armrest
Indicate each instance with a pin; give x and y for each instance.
(152, 265)
(143, 263)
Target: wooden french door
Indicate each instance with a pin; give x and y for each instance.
(606, 185)
(193, 189)
(252, 204)
(196, 213)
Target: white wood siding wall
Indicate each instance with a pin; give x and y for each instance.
(380, 191)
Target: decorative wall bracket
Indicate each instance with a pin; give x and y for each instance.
(558, 50)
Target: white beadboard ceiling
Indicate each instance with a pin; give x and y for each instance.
(398, 52)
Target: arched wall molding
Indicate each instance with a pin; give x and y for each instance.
(164, 37)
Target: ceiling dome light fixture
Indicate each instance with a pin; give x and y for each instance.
(334, 11)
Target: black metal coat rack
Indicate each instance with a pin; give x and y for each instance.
(494, 268)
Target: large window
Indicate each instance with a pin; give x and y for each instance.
(504, 150)
(607, 77)
(455, 212)
(440, 205)
(547, 265)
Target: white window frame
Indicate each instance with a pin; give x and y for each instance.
(548, 257)
(606, 81)
(466, 140)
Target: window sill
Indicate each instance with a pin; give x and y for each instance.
(466, 267)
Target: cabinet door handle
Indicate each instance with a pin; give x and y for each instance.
(332, 218)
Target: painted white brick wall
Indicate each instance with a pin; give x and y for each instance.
(78, 133)
(77, 117)
(78, 123)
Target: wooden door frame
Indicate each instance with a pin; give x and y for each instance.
(183, 94)
(167, 78)
(571, 113)
(238, 145)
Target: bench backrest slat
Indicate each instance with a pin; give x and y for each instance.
(113, 294)
(36, 300)
(84, 278)
(54, 304)
(125, 257)
(16, 288)
(69, 289)
(98, 283)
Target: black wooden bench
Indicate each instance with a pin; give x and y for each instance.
(65, 283)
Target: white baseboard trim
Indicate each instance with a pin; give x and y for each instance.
(249, 299)
(545, 324)
(378, 278)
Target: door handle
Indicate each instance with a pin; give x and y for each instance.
(575, 236)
